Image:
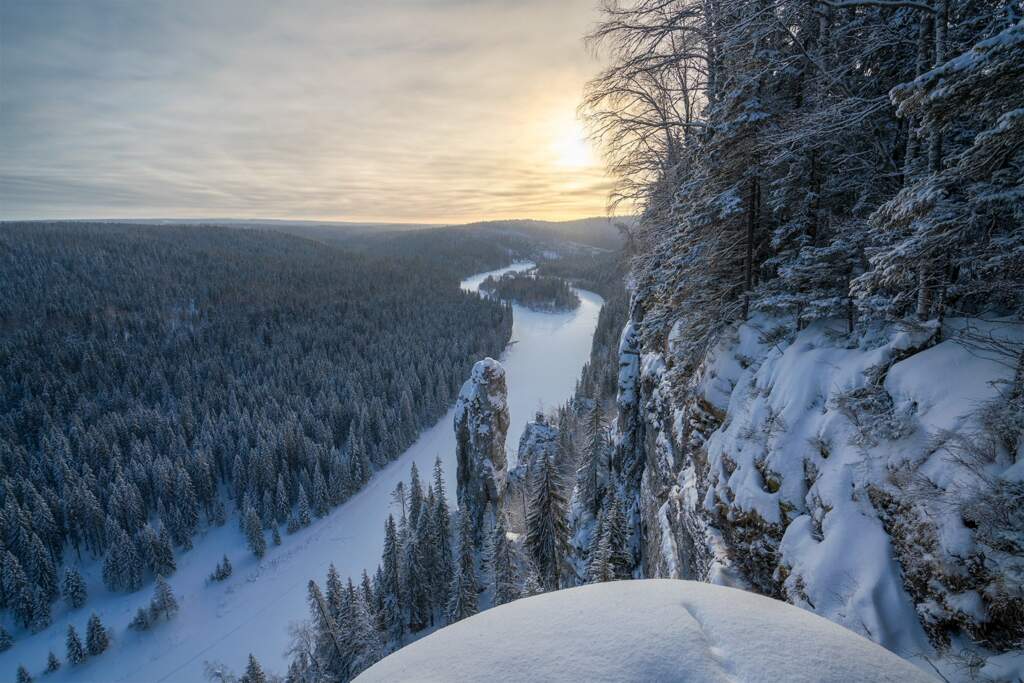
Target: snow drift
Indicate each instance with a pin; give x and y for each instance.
(655, 630)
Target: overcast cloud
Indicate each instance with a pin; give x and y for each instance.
(415, 110)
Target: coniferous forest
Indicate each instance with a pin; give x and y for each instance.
(148, 370)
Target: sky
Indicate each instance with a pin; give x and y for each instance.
(435, 111)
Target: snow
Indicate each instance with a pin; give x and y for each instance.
(654, 630)
(789, 453)
(250, 612)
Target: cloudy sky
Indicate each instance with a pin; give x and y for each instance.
(387, 110)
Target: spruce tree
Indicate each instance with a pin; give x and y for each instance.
(163, 554)
(599, 569)
(547, 526)
(254, 534)
(142, 620)
(76, 653)
(52, 663)
(334, 591)
(41, 613)
(6, 641)
(253, 672)
(532, 586)
(464, 594)
(593, 468)
(96, 638)
(75, 593)
(503, 563)
(616, 533)
(392, 616)
(441, 536)
(416, 576)
(163, 602)
(415, 497)
(23, 675)
(304, 514)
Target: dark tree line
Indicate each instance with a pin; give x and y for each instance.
(859, 160)
(533, 291)
(146, 370)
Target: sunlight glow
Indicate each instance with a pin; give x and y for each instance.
(570, 146)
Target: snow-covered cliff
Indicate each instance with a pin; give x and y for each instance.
(481, 423)
(875, 479)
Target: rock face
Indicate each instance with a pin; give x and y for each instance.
(539, 440)
(481, 424)
(820, 468)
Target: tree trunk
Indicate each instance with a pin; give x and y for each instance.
(748, 261)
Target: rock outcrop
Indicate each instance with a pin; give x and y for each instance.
(539, 440)
(481, 425)
(821, 468)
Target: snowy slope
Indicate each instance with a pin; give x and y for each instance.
(250, 611)
(654, 630)
(849, 475)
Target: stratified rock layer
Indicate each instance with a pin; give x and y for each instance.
(481, 424)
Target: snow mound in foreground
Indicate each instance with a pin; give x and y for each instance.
(654, 630)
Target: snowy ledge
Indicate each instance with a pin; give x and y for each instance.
(653, 630)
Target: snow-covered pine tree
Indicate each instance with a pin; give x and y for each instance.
(599, 569)
(593, 468)
(253, 672)
(122, 566)
(964, 217)
(163, 554)
(441, 539)
(547, 530)
(23, 676)
(222, 570)
(305, 516)
(532, 585)
(163, 603)
(52, 663)
(334, 591)
(616, 533)
(282, 506)
(142, 620)
(504, 564)
(96, 638)
(416, 570)
(6, 641)
(464, 593)
(328, 648)
(391, 588)
(76, 653)
(41, 613)
(415, 497)
(254, 533)
(41, 568)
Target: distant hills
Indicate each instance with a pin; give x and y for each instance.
(595, 232)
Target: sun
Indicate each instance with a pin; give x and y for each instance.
(570, 146)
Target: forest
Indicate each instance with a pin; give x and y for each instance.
(532, 291)
(152, 374)
(854, 159)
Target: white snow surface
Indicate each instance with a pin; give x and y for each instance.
(652, 630)
(788, 453)
(250, 612)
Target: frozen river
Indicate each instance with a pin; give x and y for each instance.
(250, 612)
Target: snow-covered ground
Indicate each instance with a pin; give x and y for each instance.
(654, 630)
(250, 611)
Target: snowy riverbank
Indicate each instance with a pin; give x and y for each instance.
(250, 611)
